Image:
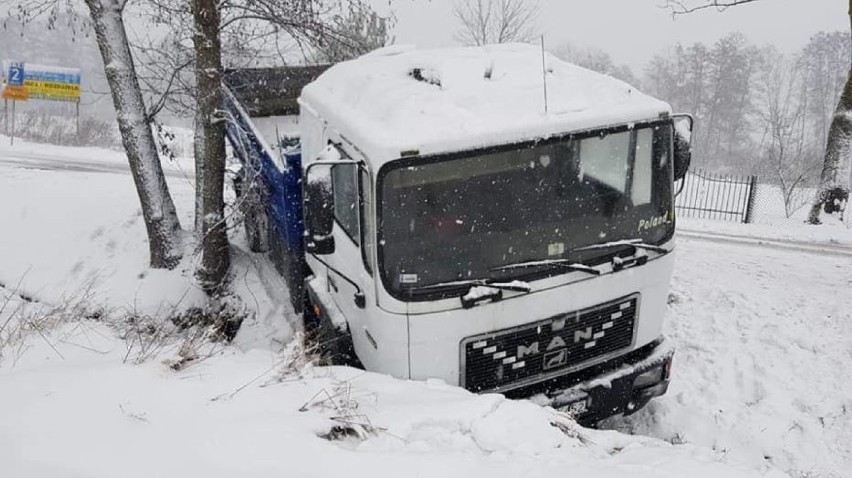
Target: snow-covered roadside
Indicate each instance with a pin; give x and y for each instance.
(764, 358)
(15, 310)
(69, 235)
(832, 233)
(22, 152)
(82, 233)
(87, 414)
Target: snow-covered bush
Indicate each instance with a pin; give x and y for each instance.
(42, 127)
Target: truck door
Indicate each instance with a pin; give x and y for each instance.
(352, 271)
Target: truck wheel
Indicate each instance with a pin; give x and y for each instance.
(333, 345)
(255, 221)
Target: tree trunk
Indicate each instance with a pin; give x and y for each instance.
(158, 210)
(210, 146)
(833, 194)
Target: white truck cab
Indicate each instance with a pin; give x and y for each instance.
(461, 227)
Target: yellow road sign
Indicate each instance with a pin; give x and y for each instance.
(12, 92)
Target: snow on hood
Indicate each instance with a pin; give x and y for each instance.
(404, 99)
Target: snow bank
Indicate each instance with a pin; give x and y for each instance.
(237, 414)
(71, 235)
(830, 233)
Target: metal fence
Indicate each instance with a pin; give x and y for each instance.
(724, 197)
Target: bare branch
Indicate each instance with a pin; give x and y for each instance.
(495, 21)
(682, 7)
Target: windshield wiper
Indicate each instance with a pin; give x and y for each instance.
(515, 286)
(634, 243)
(620, 263)
(477, 290)
(563, 263)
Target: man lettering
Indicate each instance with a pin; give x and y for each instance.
(524, 351)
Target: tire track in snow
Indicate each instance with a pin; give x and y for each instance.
(47, 163)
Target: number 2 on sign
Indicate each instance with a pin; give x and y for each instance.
(16, 74)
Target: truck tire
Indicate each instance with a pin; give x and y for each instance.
(255, 221)
(333, 345)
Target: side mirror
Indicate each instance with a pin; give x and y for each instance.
(682, 145)
(319, 209)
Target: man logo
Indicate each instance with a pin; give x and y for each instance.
(556, 343)
(580, 335)
(555, 359)
(533, 348)
(524, 350)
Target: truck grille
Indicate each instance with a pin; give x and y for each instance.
(530, 353)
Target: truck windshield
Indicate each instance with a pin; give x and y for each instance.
(464, 216)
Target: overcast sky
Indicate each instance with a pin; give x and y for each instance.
(632, 31)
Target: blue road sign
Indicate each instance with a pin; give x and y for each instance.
(16, 74)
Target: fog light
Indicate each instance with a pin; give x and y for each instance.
(649, 378)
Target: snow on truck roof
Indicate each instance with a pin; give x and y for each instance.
(401, 99)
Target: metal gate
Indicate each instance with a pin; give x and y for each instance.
(716, 196)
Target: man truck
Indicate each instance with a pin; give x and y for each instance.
(490, 216)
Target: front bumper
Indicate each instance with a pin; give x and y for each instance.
(609, 389)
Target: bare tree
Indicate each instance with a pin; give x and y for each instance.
(210, 145)
(190, 78)
(235, 30)
(167, 59)
(825, 60)
(596, 60)
(680, 7)
(361, 29)
(158, 210)
(731, 65)
(485, 22)
(716, 84)
(788, 146)
(833, 193)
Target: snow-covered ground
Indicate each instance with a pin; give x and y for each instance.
(72, 224)
(85, 413)
(760, 384)
(72, 232)
(764, 357)
(827, 235)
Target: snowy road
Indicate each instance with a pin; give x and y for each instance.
(795, 246)
(764, 336)
(52, 162)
